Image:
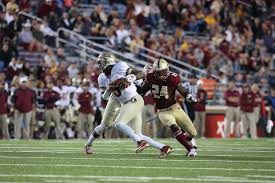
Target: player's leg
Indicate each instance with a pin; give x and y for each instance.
(229, 115)
(57, 119)
(5, 128)
(80, 125)
(27, 120)
(237, 122)
(252, 124)
(128, 112)
(185, 123)
(245, 124)
(167, 119)
(91, 119)
(107, 121)
(137, 127)
(18, 118)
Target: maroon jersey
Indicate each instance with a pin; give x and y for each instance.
(50, 97)
(163, 91)
(23, 99)
(3, 102)
(247, 102)
(201, 96)
(231, 93)
(84, 99)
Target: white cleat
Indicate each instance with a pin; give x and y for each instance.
(192, 153)
(88, 149)
(193, 143)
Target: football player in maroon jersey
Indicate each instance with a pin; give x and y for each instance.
(163, 85)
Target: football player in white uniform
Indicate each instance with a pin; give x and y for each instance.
(121, 88)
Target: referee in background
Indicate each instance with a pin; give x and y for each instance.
(192, 88)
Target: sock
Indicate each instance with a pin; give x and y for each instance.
(177, 133)
(96, 133)
(152, 142)
(92, 137)
(186, 136)
(127, 131)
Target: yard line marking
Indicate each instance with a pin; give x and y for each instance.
(130, 153)
(11, 145)
(117, 148)
(110, 149)
(134, 178)
(135, 159)
(133, 167)
(262, 176)
(72, 181)
(107, 153)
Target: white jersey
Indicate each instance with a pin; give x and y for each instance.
(103, 81)
(119, 71)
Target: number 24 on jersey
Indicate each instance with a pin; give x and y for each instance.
(160, 91)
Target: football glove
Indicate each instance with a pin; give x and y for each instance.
(191, 99)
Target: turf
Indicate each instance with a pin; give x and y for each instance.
(232, 160)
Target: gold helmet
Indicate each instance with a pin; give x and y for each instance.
(161, 69)
(146, 69)
(104, 60)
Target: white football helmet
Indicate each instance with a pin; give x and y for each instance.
(104, 60)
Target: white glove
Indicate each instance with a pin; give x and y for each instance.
(191, 99)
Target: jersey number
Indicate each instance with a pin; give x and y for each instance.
(160, 91)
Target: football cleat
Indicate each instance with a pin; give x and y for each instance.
(165, 151)
(88, 149)
(193, 143)
(141, 146)
(192, 153)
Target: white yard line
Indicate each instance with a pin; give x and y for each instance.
(97, 145)
(138, 178)
(262, 176)
(133, 167)
(129, 153)
(224, 148)
(135, 159)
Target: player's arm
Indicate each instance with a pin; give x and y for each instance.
(186, 94)
(144, 88)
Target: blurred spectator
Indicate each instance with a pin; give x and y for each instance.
(4, 110)
(52, 114)
(149, 123)
(200, 108)
(271, 115)
(232, 99)
(5, 56)
(258, 98)
(72, 70)
(86, 113)
(247, 103)
(24, 5)
(13, 69)
(191, 88)
(12, 7)
(24, 99)
(3, 26)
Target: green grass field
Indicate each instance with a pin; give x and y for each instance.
(115, 161)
